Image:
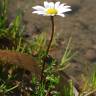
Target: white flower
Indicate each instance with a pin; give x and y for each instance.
(52, 9)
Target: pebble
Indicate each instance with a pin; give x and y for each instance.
(90, 55)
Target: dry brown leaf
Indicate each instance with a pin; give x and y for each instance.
(23, 60)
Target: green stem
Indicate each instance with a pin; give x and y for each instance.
(12, 88)
(49, 45)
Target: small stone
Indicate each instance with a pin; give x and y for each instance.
(90, 55)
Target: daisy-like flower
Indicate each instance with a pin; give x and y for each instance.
(52, 9)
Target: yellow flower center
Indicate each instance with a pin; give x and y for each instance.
(51, 11)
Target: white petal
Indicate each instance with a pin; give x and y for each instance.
(66, 10)
(62, 15)
(39, 12)
(38, 8)
(64, 6)
(62, 10)
(67, 6)
(61, 5)
(46, 4)
(57, 4)
(51, 5)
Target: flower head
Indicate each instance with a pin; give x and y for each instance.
(52, 9)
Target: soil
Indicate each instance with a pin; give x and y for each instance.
(80, 24)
